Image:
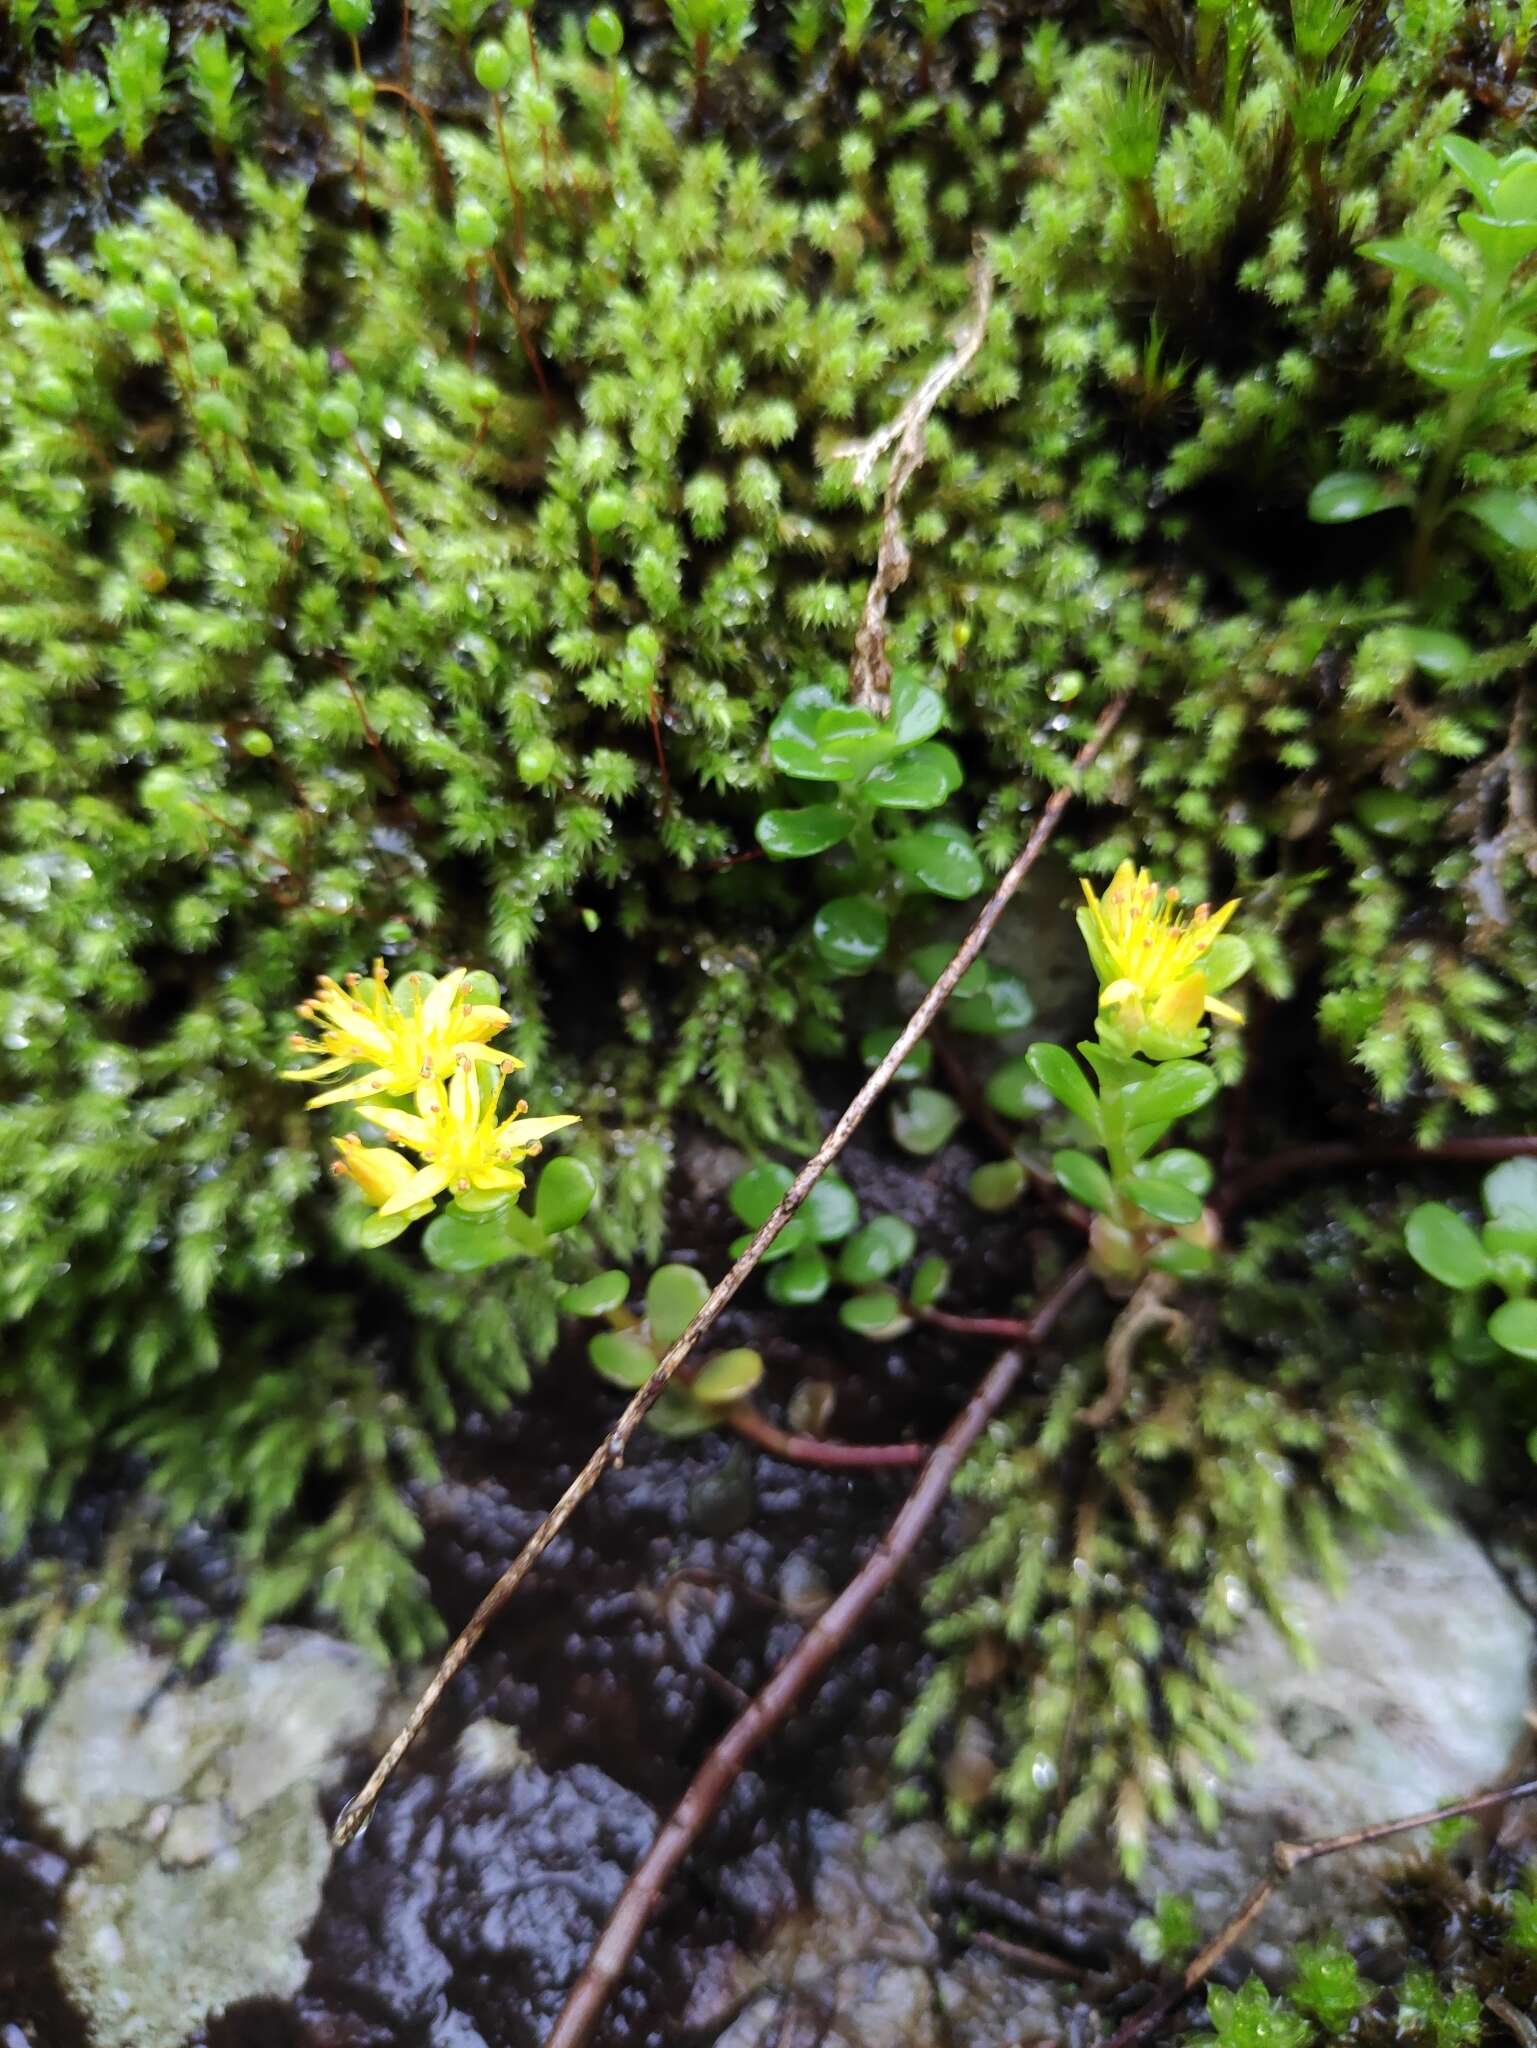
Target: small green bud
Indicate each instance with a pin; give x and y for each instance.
(360, 97)
(475, 226)
(210, 359)
(352, 17)
(536, 761)
(542, 110)
(130, 313)
(256, 742)
(201, 324)
(605, 33)
(215, 414)
(161, 285)
(337, 416)
(52, 394)
(493, 66)
(605, 511)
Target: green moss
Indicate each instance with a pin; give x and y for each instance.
(407, 534)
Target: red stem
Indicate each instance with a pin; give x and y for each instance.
(813, 1450)
(805, 1663)
(1008, 1327)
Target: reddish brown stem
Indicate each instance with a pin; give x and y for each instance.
(424, 115)
(813, 1450)
(1347, 1158)
(513, 193)
(384, 498)
(533, 47)
(1007, 1327)
(523, 336)
(799, 1671)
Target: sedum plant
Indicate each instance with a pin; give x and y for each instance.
(1160, 973)
(1501, 1256)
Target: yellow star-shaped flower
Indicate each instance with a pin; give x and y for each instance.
(406, 1051)
(1153, 960)
(460, 1139)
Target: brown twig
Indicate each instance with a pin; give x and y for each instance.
(423, 113)
(524, 337)
(753, 1424)
(815, 1650)
(1289, 1857)
(1347, 1157)
(611, 1451)
(869, 669)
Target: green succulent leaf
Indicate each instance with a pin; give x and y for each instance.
(674, 1296)
(565, 1193)
(925, 1120)
(1511, 516)
(1424, 265)
(876, 1315)
(798, 1281)
(1184, 1260)
(1350, 494)
(793, 744)
(797, 834)
(458, 1243)
(918, 781)
(1176, 1089)
(1084, 1178)
(621, 1359)
(875, 1045)
(831, 1209)
(917, 709)
(1510, 1194)
(1161, 1195)
(754, 1195)
(876, 1251)
(727, 1377)
(1445, 1246)
(1003, 1004)
(929, 1282)
(998, 1185)
(597, 1296)
(1513, 1326)
(1055, 1068)
(850, 933)
(942, 857)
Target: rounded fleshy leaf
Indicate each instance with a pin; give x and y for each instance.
(674, 1296)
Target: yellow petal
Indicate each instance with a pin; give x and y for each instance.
(423, 1186)
(528, 1130)
(355, 1091)
(379, 1172)
(435, 1011)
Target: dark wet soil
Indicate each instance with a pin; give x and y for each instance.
(461, 1916)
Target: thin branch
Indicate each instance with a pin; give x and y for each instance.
(611, 1451)
(753, 1424)
(1289, 1857)
(1010, 1328)
(1352, 1158)
(869, 669)
(805, 1663)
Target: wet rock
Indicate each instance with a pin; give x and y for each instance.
(195, 1809)
(864, 1964)
(493, 1888)
(1418, 1692)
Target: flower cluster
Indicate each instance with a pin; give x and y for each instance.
(1160, 969)
(432, 1047)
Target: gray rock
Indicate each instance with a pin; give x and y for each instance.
(1416, 1693)
(862, 1966)
(194, 1807)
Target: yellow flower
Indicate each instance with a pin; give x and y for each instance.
(378, 1171)
(406, 1053)
(1153, 959)
(459, 1138)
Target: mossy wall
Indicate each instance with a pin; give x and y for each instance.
(415, 502)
